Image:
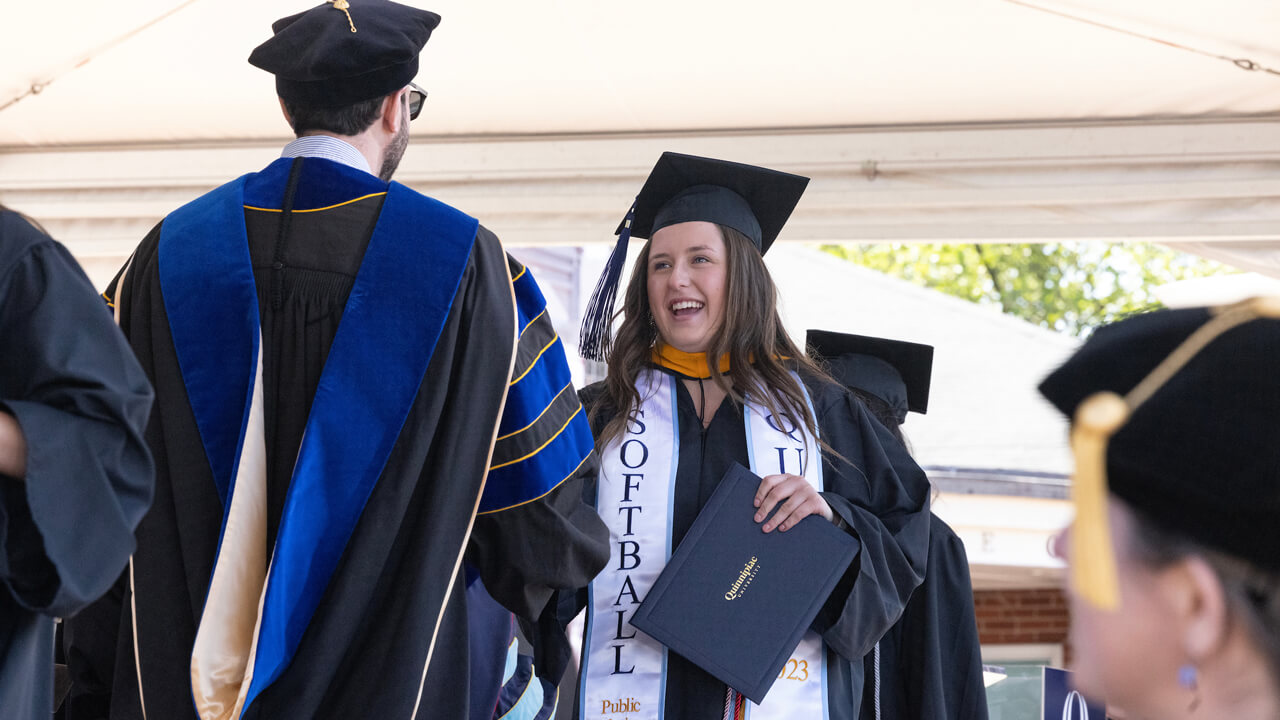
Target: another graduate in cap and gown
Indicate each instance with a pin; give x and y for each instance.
(1174, 553)
(75, 474)
(703, 375)
(361, 408)
(929, 664)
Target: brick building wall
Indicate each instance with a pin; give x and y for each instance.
(1022, 617)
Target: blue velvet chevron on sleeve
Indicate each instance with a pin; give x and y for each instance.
(543, 438)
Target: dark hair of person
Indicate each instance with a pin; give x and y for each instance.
(349, 120)
(1253, 594)
(752, 329)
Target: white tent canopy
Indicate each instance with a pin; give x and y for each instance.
(1214, 185)
(174, 70)
(918, 120)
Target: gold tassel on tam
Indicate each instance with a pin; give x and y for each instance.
(1093, 564)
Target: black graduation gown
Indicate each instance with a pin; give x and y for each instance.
(931, 661)
(364, 650)
(883, 497)
(66, 529)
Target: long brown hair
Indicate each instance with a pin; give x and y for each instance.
(751, 329)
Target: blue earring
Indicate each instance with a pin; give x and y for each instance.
(1188, 679)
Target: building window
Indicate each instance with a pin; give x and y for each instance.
(1013, 677)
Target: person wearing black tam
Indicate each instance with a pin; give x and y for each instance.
(703, 375)
(364, 425)
(1174, 554)
(929, 664)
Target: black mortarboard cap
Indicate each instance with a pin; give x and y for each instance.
(895, 371)
(320, 62)
(753, 200)
(1186, 402)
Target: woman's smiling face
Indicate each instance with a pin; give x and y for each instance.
(686, 281)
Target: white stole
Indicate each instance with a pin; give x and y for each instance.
(624, 671)
(776, 447)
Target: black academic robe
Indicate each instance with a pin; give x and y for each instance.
(930, 662)
(397, 584)
(877, 489)
(66, 529)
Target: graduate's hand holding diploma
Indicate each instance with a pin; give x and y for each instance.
(798, 500)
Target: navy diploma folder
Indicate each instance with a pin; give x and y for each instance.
(736, 601)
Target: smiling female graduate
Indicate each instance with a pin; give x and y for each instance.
(702, 375)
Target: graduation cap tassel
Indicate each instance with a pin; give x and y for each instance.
(1093, 565)
(595, 338)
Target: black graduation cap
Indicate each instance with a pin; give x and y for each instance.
(1175, 412)
(340, 53)
(896, 371)
(753, 200)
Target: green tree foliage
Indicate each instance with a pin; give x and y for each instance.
(1069, 287)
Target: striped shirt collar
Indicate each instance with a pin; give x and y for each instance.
(329, 148)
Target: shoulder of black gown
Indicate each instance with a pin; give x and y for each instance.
(82, 402)
(592, 393)
(18, 238)
(829, 400)
(598, 406)
(142, 254)
(118, 291)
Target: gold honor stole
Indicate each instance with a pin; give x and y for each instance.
(624, 672)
